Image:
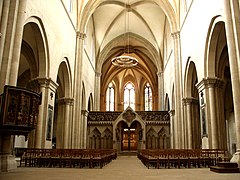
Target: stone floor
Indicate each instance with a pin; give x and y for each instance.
(124, 167)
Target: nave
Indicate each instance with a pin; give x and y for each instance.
(124, 167)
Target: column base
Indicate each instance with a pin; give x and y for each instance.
(205, 143)
(7, 163)
(236, 158)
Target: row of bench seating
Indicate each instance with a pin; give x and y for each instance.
(81, 158)
(177, 158)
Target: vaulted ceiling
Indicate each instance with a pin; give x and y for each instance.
(134, 27)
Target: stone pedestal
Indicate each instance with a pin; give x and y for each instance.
(7, 163)
(236, 158)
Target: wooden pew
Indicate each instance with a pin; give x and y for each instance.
(90, 158)
(177, 158)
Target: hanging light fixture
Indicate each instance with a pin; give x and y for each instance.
(126, 60)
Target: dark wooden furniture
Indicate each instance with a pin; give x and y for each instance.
(90, 158)
(178, 158)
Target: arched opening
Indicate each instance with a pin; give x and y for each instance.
(221, 126)
(107, 139)
(110, 97)
(32, 64)
(90, 103)
(129, 95)
(148, 97)
(192, 115)
(129, 136)
(61, 123)
(95, 139)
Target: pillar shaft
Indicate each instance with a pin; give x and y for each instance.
(97, 91)
(3, 26)
(189, 121)
(17, 42)
(213, 116)
(178, 89)
(47, 89)
(232, 24)
(66, 104)
(161, 92)
(172, 128)
(77, 91)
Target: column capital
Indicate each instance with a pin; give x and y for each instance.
(98, 74)
(210, 82)
(175, 35)
(33, 85)
(160, 73)
(85, 112)
(47, 82)
(189, 101)
(81, 35)
(171, 113)
(65, 101)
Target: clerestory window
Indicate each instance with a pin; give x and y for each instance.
(129, 96)
(148, 97)
(110, 98)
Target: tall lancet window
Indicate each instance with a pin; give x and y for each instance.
(110, 98)
(129, 96)
(148, 97)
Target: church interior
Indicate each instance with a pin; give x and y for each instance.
(121, 76)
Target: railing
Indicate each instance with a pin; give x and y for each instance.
(148, 116)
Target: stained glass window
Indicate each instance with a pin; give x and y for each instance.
(110, 98)
(148, 97)
(129, 96)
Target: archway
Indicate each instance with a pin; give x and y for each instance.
(32, 65)
(192, 109)
(62, 108)
(221, 127)
(129, 136)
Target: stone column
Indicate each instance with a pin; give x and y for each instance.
(3, 26)
(77, 90)
(17, 42)
(232, 25)
(7, 160)
(211, 85)
(160, 91)
(47, 89)
(178, 89)
(11, 47)
(213, 115)
(188, 104)
(222, 137)
(66, 104)
(196, 128)
(214, 125)
(97, 91)
(84, 130)
(172, 128)
(185, 124)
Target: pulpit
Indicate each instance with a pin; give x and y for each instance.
(18, 116)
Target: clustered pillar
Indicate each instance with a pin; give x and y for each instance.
(232, 15)
(178, 90)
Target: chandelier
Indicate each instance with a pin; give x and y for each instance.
(125, 60)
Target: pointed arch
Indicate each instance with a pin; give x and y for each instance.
(191, 79)
(64, 79)
(212, 43)
(35, 25)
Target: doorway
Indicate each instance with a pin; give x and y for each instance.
(129, 140)
(130, 136)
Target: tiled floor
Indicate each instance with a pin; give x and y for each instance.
(123, 168)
